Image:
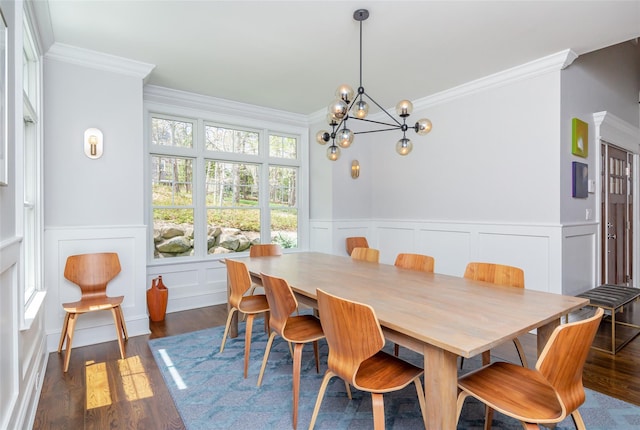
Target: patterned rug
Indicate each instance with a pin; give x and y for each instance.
(210, 393)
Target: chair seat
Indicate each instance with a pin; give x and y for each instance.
(254, 304)
(383, 373)
(303, 329)
(519, 403)
(92, 304)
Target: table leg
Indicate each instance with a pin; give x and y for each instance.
(544, 333)
(440, 387)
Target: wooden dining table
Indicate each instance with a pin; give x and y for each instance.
(439, 316)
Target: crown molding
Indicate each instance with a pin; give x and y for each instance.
(163, 95)
(617, 131)
(551, 63)
(98, 60)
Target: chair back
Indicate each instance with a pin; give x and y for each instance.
(352, 331)
(92, 272)
(419, 262)
(265, 250)
(356, 242)
(498, 274)
(562, 359)
(366, 254)
(282, 301)
(239, 280)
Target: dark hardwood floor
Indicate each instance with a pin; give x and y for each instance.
(100, 391)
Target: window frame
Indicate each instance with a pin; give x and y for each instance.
(212, 117)
(31, 226)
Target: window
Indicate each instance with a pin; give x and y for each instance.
(220, 188)
(32, 207)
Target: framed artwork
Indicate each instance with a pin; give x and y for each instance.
(580, 179)
(4, 162)
(579, 138)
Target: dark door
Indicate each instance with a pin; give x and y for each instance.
(617, 210)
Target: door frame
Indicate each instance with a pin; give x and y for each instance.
(612, 130)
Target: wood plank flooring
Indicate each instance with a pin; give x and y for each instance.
(100, 391)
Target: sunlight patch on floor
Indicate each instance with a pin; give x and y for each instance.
(172, 370)
(135, 382)
(97, 383)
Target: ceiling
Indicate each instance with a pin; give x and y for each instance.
(292, 55)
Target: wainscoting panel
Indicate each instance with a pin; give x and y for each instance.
(9, 359)
(192, 285)
(446, 247)
(96, 327)
(536, 248)
(580, 256)
(530, 253)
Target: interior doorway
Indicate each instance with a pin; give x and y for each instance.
(616, 215)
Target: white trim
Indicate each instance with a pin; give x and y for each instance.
(199, 102)
(98, 60)
(617, 132)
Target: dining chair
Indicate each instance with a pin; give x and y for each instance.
(366, 254)
(92, 273)
(356, 242)
(498, 274)
(250, 305)
(262, 250)
(295, 329)
(544, 395)
(417, 262)
(355, 342)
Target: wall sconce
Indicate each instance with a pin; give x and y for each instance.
(93, 143)
(355, 169)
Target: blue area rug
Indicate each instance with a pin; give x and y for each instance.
(210, 393)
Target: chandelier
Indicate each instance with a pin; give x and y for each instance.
(346, 107)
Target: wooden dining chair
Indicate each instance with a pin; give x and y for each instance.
(250, 305)
(366, 254)
(498, 274)
(417, 262)
(92, 273)
(262, 250)
(544, 395)
(295, 329)
(355, 354)
(356, 242)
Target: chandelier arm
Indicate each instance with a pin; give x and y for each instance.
(383, 109)
(376, 131)
(377, 122)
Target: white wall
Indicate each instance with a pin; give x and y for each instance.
(94, 205)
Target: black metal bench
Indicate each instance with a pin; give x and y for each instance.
(613, 298)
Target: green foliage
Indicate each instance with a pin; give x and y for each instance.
(285, 241)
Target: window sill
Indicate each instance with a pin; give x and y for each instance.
(32, 309)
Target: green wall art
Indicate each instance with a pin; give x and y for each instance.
(580, 138)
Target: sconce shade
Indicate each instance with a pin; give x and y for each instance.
(93, 143)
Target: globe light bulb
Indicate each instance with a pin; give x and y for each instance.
(404, 146)
(333, 153)
(322, 137)
(332, 120)
(345, 93)
(338, 109)
(404, 108)
(360, 109)
(344, 138)
(423, 126)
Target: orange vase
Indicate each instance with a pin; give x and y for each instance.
(157, 297)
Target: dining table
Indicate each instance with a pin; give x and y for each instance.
(442, 317)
